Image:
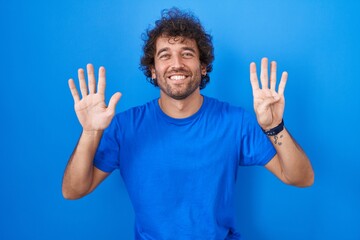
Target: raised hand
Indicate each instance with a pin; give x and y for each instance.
(269, 104)
(91, 110)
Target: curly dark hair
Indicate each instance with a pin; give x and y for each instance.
(177, 23)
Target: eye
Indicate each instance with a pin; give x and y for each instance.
(164, 56)
(188, 54)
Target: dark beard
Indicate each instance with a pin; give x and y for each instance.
(190, 89)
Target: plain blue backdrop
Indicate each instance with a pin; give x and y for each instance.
(43, 43)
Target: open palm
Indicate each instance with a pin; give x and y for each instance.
(91, 110)
(269, 104)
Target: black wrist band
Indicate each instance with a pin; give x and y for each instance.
(275, 131)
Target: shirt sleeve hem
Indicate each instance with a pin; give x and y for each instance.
(268, 157)
(103, 167)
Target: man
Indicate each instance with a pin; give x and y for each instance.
(178, 154)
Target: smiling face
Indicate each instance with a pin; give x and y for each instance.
(177, 67)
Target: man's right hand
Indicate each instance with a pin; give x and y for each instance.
(91, 110)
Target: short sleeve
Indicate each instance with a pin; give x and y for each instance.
(256, 148)
(107, 154)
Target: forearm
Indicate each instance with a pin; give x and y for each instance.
(295, 165)
(78, 175)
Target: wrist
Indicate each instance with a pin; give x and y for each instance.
(92, 132)
(276, 130)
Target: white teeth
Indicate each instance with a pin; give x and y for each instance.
(177, 77)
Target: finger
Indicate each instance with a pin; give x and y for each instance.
(273, 75)
(101, 81)
(264, 74)
(275, 95)
(73, 90)
(253, 77)
(282, 83)
(82, 82)
(91, 78)
(113, 101)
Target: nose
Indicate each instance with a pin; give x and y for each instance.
(177, 62)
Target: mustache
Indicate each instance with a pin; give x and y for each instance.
(181, 70)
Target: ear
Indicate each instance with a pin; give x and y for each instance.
(203, 70)
(153, 74)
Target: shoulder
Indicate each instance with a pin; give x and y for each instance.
(228, 113)
(224, 108)
(137, 113)
(137, 109)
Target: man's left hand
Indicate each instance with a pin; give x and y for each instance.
(269, 104)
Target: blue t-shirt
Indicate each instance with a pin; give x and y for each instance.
(180, 173)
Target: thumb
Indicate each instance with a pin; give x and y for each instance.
(113, 101)
(266, 104)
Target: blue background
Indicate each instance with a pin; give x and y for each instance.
(44, 42)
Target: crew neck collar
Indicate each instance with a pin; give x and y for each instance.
(180, 121)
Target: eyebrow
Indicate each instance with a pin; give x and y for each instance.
(183, 48)
(189, 49)
(162, 50)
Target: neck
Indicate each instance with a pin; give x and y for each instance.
(180, 108)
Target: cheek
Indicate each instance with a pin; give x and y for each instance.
(159, 71)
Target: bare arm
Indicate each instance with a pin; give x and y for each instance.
(80, 176)
(290, 164)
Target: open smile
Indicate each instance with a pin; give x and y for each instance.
(177, 77)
